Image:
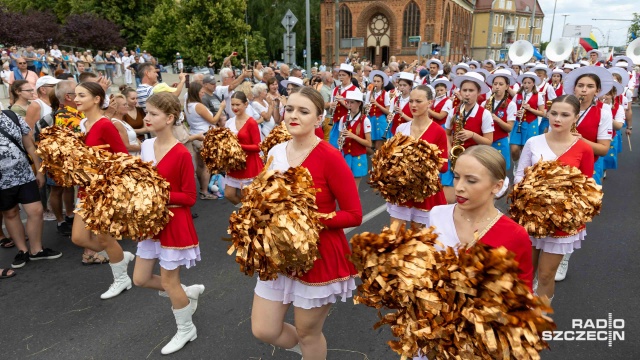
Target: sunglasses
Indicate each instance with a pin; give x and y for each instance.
(22, 63)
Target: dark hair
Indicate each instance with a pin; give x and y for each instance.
(506, 80)
(535, 87)
(594, 77)
(313, 95)
(94, 89)
(271, 81)
(568, 99)
(408, 82)
(346, 72)
(379, 76)
(125, 90)
(240, 96)
(166, 102)
(473, 82)
(143, 68)
(64, 76)
(193, 94)
(15, 87)
(85, 76)
(427, 90)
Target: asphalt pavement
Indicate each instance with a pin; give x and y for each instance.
(52, 309)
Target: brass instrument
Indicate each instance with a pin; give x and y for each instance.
(343, 135)
(456, 145)
(489, 104)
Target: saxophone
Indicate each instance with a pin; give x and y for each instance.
(343, 136)
(456, 145)
(489, 104)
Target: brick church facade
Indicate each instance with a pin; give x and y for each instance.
(387, 25)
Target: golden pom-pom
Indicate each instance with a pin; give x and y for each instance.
(278, 226)
(222, 152)
(66, 158)
(553, 196)
(278, 135)
(471, 306)
(128, 199)
(405, 169)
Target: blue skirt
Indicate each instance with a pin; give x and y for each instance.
(334, 134)
(378, 126)
(619, 144)
(598, 170)
(358, 164)
(528, 131)
(503, 148)
(544, 125)
(610, 161)
(447, 177)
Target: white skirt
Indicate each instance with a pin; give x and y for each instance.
(286, 290)
(237, 183)
(408, 214)
(560, 246)
(170, 259)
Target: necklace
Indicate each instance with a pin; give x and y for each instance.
(304, 153)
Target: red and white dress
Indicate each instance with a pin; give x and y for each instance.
(579, 155)
(418, 212)
(403, 104)
(177, 243)
(440, 104)
(340, 109)
(249, 139)
(332, 274)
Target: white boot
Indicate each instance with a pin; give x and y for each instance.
(561, 273)
(186, 331)
(121, 280)
(163, 293)
(296, 349)
(193, 293)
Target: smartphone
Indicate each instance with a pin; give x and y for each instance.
(186, 80)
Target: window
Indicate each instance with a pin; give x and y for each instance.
(495, 37)
(538, 22)
(496, 19)
(536, 39)
(501, 20)
(516, 22)
(500, 38)
(410, 24)
(501, 6)
(523, 23)
(509, 4)
(345, 22)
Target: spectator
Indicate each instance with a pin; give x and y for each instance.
(110, 65)
(22, 93)
(297, 72)
(135, 115)
(263, 107)
(22, 73)
(56, 55)
(66, 61)
(210, 99)
(229, 83)
(128, 134)
(5, 75)
(100, 63)
(267, 73)
(179, 62)
(19, 186)
(31, 56)
(211, 65)
(149, 79)
(41, 105)
(274, 95)
(126, 62)
(284, 75)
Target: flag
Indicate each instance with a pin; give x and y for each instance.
(610, 59)
(537, 54)
(589, 43)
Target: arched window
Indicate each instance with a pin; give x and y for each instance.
(410, 24)
(345, 22)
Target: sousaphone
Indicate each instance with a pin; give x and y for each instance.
(521, 52)
(559, 50)
(633, 51)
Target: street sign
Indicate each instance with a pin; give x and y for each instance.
(424, 49)
(348, 43)
(579, 31)
(414, 39)
(289, 44)
(289, 20)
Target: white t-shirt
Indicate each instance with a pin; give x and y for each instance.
(266, 126)
(605, 126)
(376, 95)
(547, 90)
(401, 103)
(511, 109)
(222, 92)
(487, 120)
(197, 124)
(448, 105)
(56, 53)
(354, 117)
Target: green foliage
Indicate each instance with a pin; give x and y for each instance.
(635, 27)
(197, 28)
(543, 46)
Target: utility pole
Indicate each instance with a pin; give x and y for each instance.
(553, 19)
(308, 40)
(533, 17)
(337, 30)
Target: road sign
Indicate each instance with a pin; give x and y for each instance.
(304, 53)
(576, 31)
(289, 43)
(414, 39)
(289, 20)
(424, 49)
(348, 43)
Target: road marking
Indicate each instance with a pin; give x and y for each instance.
(368, 217)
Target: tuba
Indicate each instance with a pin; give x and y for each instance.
(343, 136)
(456, 145)
(633, 51)
(521, 52)
(559, 50)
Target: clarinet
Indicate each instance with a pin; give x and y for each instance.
(524, 112)
(343, 136)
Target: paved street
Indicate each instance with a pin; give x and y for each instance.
(52, 309)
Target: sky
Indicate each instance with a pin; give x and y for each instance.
(583, 15)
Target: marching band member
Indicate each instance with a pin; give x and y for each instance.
(424, 128)
(454, 93)
(435, 69)
(400, 105)
(248, 133)
(355, 135)
(530, 106)
(177, 243)
(562, 145)
(338, 105)
(517, 68)
(485, 74)
(557, 76)
(618, 103)
(594, 124)
(378, 98)
(489, 65)
(503, 111)
(473, 65)
(469, 124)
(546, 91)
(332, 275)
(594, 58)
(441, 106)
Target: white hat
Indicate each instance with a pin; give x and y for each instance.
(489, 61)
(584, 63)
(443, 81)
(597, 52)
(435, 61)
(606, 79)
(531, 75)
(46, 80)
(355, 95)
(483, 71)
(293, 81)
(505, 73)
(472, 76)
(385, 77)
(542, 67)
(569, 66)
(529, 64)
(502, 66)
(559, 72)
(623, 61)
(406, 76)
(623, 74)
(346, 68)
(473, 62)
(619, 88)
(177, 53)
(460, 66)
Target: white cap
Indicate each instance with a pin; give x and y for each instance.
(293, 81)
(346, 68)
(46, 80)
(355, 95)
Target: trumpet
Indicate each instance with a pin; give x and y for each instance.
(456, 145)
(343, 135)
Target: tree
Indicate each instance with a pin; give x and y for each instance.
(197, 28)
(634, 29)
(35, 28)
(91, 31)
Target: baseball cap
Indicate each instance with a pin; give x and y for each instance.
(163, 87)
(46, 80)
(209, 79)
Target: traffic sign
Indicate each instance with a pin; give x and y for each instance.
(289, 20)
(348, 43)
(414, 39)
(424, 49)
(578, 31)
